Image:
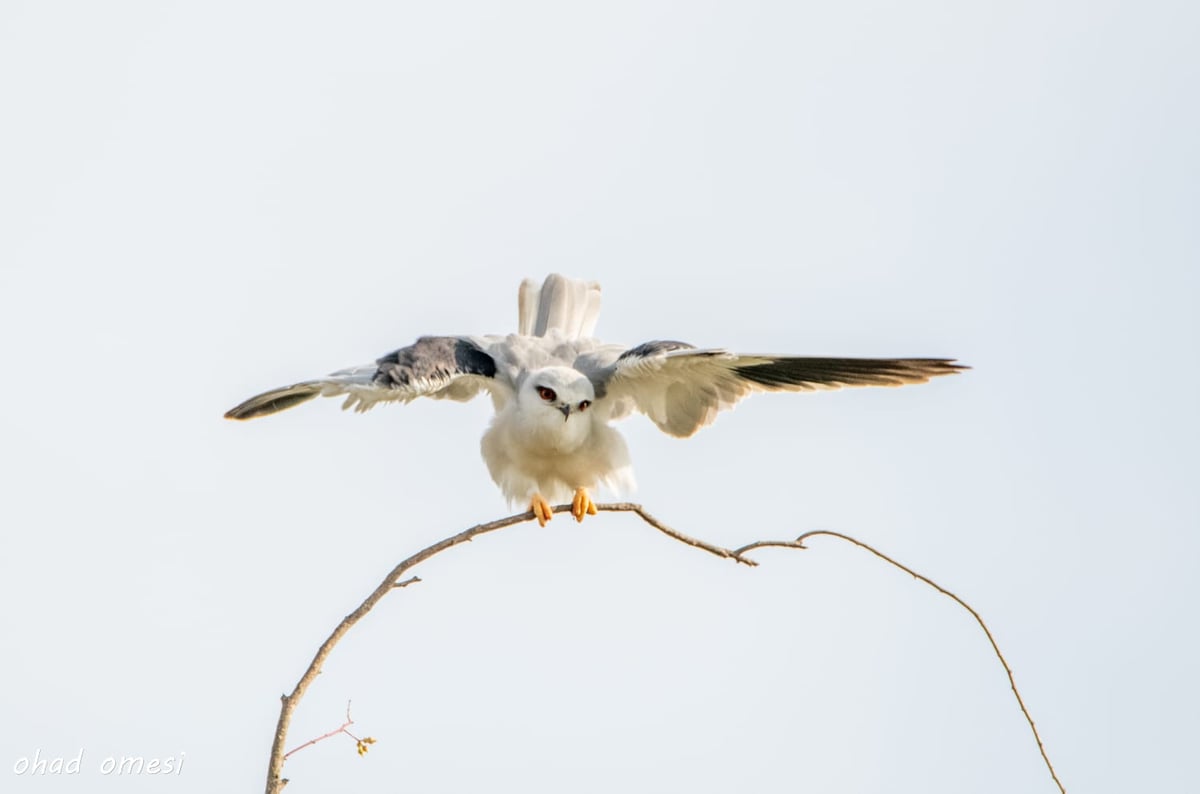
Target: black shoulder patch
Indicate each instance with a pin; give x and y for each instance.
(434, 358)
(473, 361)
(657, 347)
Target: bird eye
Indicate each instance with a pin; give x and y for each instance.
(546, 394)
(583, 406)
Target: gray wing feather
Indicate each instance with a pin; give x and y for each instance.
(682, 388)
(442, 367)
(432, 363)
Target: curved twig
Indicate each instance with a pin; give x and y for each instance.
(275, 779)
(799, 544)
(674, 534)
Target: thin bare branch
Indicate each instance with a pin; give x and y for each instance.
(799, 543)
(275, 779)
(696, 543)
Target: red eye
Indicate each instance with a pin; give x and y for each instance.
(583, 406)
(546, 394)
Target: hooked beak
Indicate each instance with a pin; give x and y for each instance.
(566, 411)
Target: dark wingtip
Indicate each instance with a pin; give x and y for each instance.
(243, 412)
(269, 403)
(782, 373)
(936, 367)
(933, 367)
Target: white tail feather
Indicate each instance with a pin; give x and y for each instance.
(591, 311)
(527, 307)
(562, 304)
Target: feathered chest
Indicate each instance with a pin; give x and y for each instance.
(542, 431)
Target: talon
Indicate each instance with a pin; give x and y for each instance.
(582, 505)
(542, 510)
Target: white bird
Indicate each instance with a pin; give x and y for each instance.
(555, 390)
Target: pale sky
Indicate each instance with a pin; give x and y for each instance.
(201, 201)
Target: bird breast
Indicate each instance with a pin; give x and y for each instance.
(546, 431)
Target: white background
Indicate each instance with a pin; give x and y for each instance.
(199, 201)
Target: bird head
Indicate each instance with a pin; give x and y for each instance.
(554, 400)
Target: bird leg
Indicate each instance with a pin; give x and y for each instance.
(582, 504)
(542, 510)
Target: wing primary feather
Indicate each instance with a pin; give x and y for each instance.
(782, 373)
(449, 367)
(682, 388)
(274, 401)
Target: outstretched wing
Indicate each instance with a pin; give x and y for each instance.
(682, 388)
(443, 367)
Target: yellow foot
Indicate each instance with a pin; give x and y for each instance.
(542, 510)
(582, 505)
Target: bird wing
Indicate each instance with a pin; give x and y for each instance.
(682, 388)
(442, 367)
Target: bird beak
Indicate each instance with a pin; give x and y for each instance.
(566, 409)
